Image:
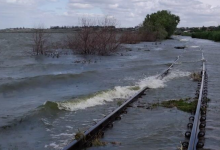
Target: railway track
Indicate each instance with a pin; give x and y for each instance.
(107, 122)
(197, 123)
(196, 126)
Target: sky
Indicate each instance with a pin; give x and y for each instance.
(129, 13)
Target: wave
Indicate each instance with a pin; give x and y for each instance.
(49, 105)
(34, 65)
(184, 40)
(119, 92)
(37, 80)
(99, 98)
(195, 46)
(2, 41)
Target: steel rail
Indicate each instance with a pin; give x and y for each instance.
(195, 129)
(168, 69)
(109, 119)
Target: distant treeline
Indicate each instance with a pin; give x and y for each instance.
(197, 29)
(78, 27)
(210, 33)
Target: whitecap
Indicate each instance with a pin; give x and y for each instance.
(184, 40)
(194, 46)
(53, 145)
(119, 92)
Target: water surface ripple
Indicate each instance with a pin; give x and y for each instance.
(45, 101)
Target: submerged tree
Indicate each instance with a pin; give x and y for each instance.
(162, 24)
(95, 37)
(40, 39)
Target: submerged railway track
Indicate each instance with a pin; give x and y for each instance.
(197, 123)
(194, 135)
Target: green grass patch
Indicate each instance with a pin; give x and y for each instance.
(135, 88)
(79, 135)
(196, 76)
(119, 103)
(155, 105)
(97, 142)
(182, 104)
(207, 99)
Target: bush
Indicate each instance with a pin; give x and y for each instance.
(210, 35)
(130, 38)
(40, 39)
(95, 37)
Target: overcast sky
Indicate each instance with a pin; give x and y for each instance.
(31, 13)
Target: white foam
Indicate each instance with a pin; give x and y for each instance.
(129, 78)
(176, 74)
(158, 49)
(53, 145)
(119, 92)
(46, 122)
(64, 134)
(184, 40)
(151, 82)
(194, 46)
(99, 99)
(69, 127)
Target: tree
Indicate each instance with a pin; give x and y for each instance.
(106, 37)
(40, 38)
(161, 23)
(95, 37)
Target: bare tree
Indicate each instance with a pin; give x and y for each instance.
(82, 41)
(95, 37)
(106, 36)
(40, 38)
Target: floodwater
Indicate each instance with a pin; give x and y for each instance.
(45, 101)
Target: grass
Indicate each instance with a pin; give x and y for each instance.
(79, 135)
(96, 143)
(119, 103)
(186, 105)
(182, 104)
(115, 143)
(135, 88)
(181, 147)
(155, 105)
(210, 35)
(207, 99)
(196, 76)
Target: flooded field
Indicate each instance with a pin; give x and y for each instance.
(45, 101)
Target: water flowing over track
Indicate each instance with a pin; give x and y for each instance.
(196, 126)
(107, 122)
(47, 101)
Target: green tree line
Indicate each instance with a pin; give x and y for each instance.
(210, 35)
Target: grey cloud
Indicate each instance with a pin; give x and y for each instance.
(129, 12)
